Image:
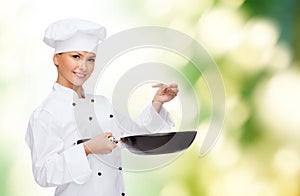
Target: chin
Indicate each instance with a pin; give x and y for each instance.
(78, 82)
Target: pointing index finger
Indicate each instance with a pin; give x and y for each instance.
(159, 85)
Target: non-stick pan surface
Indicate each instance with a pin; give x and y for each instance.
(159, 143)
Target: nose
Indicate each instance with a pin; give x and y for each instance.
(82, 65)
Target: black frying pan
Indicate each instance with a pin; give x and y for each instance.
(157, 143)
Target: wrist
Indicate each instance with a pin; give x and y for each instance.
(157, 105)
(156, 102)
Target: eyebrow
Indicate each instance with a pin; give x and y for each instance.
(80, 54)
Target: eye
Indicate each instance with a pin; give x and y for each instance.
(75, 56)
(92, 60)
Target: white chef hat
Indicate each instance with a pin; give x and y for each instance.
(74, 35)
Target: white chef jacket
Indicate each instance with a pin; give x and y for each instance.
(57, 160)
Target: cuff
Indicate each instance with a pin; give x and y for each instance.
(77, 164)
(158, 122)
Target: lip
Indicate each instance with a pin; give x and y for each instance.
(79, 75)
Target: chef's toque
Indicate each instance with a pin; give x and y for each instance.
(74, 35)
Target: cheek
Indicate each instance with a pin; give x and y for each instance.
(69, 65)
(91, 68)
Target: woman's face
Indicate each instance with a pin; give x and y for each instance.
(74, 68)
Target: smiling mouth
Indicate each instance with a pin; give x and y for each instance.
(79, 75)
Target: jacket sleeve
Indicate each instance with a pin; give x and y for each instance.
(51, 164)
(149, 121)
(154, 121)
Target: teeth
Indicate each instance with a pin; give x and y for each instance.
(80, 75)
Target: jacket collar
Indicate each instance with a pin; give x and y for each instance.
(68, 94)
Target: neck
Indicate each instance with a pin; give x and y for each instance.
(79, 91)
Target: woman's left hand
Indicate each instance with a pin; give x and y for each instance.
(165, 93)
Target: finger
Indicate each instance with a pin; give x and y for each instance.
(159, 85)
(108, 134)
(171, 91)
(114, 144)
(174, 90)
(111, 138)
(171, 95)
(173, 85)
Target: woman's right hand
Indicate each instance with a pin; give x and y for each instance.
(99, 144)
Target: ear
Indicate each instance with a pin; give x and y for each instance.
(55, 59)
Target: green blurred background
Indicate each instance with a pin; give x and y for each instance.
(256, 46)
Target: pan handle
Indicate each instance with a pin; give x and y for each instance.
(112, 139)
(81, 141)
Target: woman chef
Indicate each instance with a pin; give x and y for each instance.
(93, 167)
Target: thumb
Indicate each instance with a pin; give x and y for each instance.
(108, 134)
